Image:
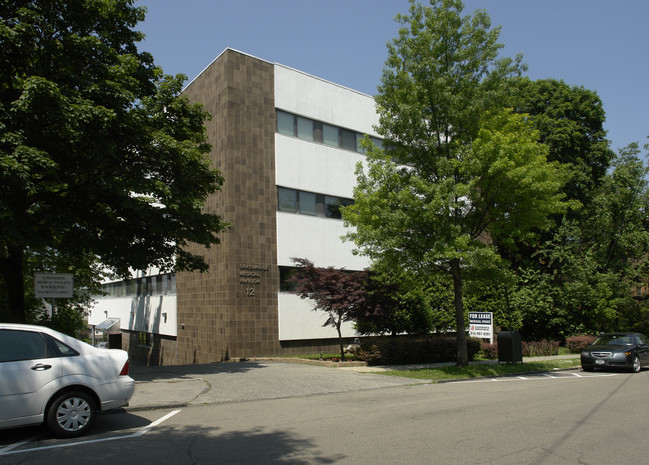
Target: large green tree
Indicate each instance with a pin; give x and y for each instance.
(581, 279)
(466, 171)
(100, 156)
(570, 121)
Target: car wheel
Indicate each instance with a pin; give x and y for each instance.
(71, 414)
(636, 364)
(587, 368)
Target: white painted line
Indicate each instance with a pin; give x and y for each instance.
(148, 428)
(9, 450)
(18, 444)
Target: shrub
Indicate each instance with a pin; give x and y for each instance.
(539, 348)
(407, 350)
(578, 342)
(489, 351)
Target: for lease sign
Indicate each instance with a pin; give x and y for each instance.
(481, 325)
(53, 285)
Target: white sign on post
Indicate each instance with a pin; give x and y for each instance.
(53, 285)
(481, 325)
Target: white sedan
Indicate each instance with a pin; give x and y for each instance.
(48, 377)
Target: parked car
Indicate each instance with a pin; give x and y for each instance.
(51, 378)
(628, 351)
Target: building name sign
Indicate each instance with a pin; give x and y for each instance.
(250, 275)
(53, 285)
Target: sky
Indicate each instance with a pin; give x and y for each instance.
(602, 45)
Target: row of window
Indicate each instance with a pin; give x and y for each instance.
(310, 130)
(309, 203)
(162, 284)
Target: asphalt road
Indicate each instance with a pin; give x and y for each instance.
(563, 418)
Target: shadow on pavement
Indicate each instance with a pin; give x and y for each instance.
(156, 373)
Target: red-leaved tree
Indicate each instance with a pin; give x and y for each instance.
(337, 292)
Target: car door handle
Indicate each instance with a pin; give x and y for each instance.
(41, 367)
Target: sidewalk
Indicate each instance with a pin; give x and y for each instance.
(176, 386)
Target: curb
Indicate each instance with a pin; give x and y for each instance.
(507, 375)
(156, 407)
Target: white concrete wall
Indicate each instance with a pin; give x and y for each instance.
(144, 313)
(298, 321)
(312, 97)
(317, 239)
(314, 167)
(321, 169)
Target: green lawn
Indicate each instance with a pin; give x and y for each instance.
(478, 370)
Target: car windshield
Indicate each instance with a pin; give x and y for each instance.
(613, 340)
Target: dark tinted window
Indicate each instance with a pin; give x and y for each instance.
(615, 340)
(21, 345)
(56, 348)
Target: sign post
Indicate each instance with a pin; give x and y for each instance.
(481, 325)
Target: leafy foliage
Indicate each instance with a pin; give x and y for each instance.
(582, 278)
(540, 348)
(395, 302)
(575, 344)
(570, 121)
(100, 156)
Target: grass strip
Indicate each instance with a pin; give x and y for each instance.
(480, 370)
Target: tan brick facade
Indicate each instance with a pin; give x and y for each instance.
(231, 311)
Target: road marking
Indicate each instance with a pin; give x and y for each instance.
(9, 449)
(18, 444)
(540, 376)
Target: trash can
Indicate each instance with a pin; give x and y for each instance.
(510, 349)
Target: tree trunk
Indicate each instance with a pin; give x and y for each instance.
(11, 268)
(462, 353)
(340, 341)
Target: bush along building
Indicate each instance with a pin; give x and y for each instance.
(286, 144)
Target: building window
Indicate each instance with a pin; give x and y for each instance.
(287, 200)
(322, 133)
(333, 204)
(348, 140)
(309, 203)
(305, 129)
(286, 274)
(330, 135)
(144, 339)
(162, 284)
(285, 123)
